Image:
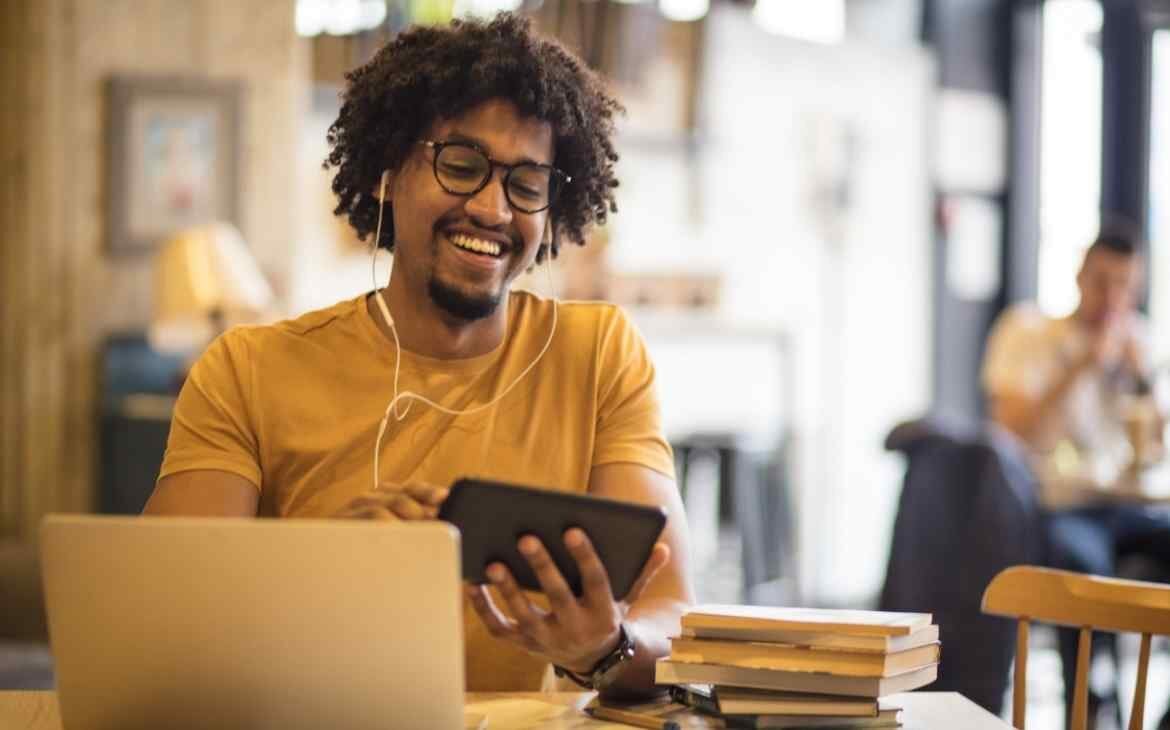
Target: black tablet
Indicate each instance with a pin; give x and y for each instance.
(493, 516)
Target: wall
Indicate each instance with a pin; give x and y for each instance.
(61, 293)
(973, 40)
(330, 263)
(1160, 197)
(811, 196)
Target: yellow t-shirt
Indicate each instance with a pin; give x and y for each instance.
(294, 408)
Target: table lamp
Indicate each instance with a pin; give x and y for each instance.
(205, 279)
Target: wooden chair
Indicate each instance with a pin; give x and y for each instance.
(1086, 602)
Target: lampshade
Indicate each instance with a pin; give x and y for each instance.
(203, 277)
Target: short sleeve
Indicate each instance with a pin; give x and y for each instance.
(629, 420)
(1019, 357)
(212, 427)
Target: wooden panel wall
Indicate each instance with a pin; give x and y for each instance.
(59, 292)
(36, 336)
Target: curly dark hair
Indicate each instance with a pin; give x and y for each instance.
(430, 73)
(1120, 235)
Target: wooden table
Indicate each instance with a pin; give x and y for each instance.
(558, 711)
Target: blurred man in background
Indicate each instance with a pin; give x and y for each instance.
(1078, 391)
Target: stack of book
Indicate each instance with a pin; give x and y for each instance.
(760, 666)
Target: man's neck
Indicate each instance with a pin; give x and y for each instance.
(426, 329)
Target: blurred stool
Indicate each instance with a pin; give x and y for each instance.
(139, 385)
(25, 661)
(732, 478)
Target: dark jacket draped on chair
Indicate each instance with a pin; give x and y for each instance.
(968, 510)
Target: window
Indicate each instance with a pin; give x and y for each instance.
(1159, 230)
(1070, 146)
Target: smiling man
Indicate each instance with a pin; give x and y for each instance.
(469, 152)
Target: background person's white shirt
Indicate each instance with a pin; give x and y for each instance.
(1083, 443)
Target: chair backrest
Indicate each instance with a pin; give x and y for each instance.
(1029, 593)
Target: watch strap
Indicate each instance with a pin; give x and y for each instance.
(607, 668)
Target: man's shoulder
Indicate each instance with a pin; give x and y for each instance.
(603, 316)
(1022, 348)
(341, 315)
(247, 342)
(344, 313)
(1027, 323)
(580, 317)
(1026, 316)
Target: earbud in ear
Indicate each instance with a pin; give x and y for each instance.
(382, 186)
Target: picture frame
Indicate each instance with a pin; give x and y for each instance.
(173, 157)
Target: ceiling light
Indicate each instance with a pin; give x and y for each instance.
(484, 8)
(684, 10)
(822, 21)
(338, 17)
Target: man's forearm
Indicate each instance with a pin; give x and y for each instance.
(1050, 404)
(651, 624)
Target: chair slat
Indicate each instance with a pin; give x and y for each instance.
(1019, 691)
(1137, 712)
(1080, 712)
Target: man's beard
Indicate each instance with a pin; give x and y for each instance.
(460, 304)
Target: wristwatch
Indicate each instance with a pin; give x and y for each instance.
(606, 671)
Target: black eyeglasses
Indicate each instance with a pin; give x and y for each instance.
(464, 169)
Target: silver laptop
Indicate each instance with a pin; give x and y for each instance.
(166, 622)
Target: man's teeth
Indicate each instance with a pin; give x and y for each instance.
(471, 243)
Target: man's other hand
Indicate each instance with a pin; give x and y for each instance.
(1112, 343)
(396, 502)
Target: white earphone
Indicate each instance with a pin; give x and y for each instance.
(410, 395)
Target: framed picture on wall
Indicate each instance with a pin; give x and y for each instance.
(173, 157)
